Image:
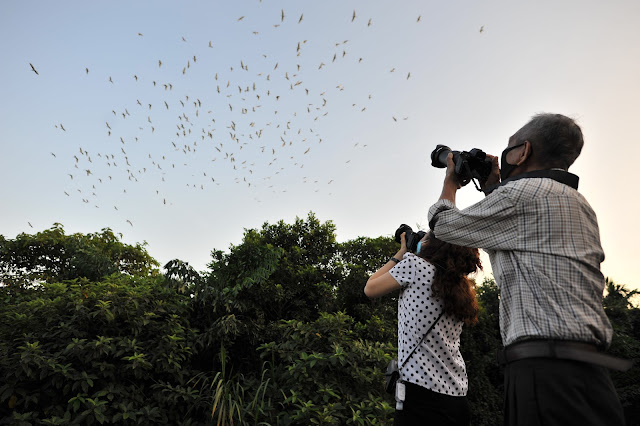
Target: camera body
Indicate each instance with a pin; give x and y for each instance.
(469, 165)
(412, 238)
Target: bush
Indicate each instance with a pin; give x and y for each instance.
(83, 352)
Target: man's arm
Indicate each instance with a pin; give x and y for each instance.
(488, 224)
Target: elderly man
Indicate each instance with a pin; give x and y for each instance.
(544, 244)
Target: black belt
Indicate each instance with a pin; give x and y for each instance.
(559, 349)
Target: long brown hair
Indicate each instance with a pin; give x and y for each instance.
(453, 263)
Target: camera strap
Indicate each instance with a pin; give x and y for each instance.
(425, 335)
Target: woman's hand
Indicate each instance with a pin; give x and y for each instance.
(403, 244)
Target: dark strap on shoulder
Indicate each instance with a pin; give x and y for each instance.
(425, 335)
(558, 175)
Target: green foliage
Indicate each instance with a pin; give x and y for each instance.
(478, 345)
(282, 270)
(276, 332)
(326, 374)
(52, 256)
(356, 260)
(625, 319)
(116, 350)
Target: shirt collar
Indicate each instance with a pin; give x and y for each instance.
(558, 175)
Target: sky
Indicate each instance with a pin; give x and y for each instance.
(181, 124)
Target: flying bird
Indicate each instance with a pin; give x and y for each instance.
(300, 20)
(482, 28)
(354, 16)
(33, 69)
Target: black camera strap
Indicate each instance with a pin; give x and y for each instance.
(425, 335)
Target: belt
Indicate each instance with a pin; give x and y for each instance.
(559, 349)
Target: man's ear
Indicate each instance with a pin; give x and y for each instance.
(526, 153)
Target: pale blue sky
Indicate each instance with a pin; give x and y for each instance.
(359, 168)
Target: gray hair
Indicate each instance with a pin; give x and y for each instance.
(556, 140)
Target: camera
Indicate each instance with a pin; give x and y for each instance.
(468, 165)
(412, 238)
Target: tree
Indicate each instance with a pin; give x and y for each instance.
(276, 331)
(82, 352)
(355, 261)
(52, 256)
(625, 319)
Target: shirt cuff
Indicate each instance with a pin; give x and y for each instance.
(438, 207)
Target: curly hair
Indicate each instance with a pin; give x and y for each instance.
(453, 263)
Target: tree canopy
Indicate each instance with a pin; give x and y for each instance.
(52, 256)
(276, 331)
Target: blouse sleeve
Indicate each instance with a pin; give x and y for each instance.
(404, 272)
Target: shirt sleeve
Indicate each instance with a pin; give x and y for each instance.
(489, 224)
(404, 272)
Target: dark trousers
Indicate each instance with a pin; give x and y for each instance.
(542, 391)
(425, 407)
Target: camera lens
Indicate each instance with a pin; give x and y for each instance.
(439, 156)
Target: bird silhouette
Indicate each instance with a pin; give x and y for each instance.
(33, 68)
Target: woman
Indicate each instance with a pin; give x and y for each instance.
(434, 288)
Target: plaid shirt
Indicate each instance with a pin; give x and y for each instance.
(544, 245)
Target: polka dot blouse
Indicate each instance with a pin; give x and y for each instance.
(437, 364)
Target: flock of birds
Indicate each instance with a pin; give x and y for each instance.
(256, 124)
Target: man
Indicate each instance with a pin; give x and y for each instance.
(544, 244)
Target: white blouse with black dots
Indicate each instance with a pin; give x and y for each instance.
(437, 364)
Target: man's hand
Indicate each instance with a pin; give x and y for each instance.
(451, 181)
(494, 176)
(451, 178)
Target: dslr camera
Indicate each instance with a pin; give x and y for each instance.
(411, 237)
(468, 165)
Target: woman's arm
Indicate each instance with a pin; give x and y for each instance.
(381, 282)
